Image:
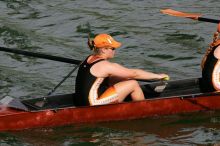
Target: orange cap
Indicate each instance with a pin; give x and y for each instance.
(105, 40)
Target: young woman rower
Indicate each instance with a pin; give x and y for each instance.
(100, 81)
(211, 66)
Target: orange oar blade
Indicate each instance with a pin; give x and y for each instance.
(180, 14)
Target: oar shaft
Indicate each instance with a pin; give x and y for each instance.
(40, 55)
(58, 85)
(208, 20)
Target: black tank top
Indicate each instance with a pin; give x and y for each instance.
(84, 82)
(206, 83)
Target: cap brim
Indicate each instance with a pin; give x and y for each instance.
(116, 45)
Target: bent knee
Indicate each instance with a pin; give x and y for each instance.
(134, 83)
(127, 86)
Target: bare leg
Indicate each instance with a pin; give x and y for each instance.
(131, 87)
(114, 80)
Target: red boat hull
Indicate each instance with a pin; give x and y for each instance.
(12, 119)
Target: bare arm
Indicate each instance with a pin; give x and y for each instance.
(145, 75)
(123, 72)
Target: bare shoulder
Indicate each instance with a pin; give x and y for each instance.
(101, 69)
(105, 63)
(112, 66)
(108, 64)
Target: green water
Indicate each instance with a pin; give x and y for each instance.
(151, 41)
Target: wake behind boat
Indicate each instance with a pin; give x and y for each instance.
(163, 98)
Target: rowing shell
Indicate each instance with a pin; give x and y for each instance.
(162, 98)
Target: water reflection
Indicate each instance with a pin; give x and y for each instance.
(184, 130)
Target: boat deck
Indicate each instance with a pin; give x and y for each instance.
(172, 88)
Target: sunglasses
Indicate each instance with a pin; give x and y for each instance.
(113, 49)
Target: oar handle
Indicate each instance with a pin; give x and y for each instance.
(40, 55)
(208, 20)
